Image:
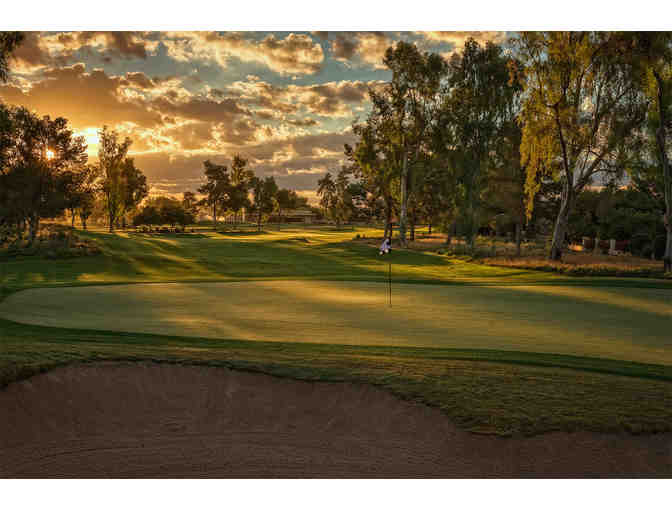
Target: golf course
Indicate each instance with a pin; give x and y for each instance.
(501, 353)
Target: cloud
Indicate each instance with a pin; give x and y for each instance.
(296, 162)
(198, 108)
(457, 39)
(331, 99)
(140, 80)
(360, 48)
(49, 49)
(305, 122)
(176, 126)
(295, 54)
(85, 99)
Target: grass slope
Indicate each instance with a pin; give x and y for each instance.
(484, 390)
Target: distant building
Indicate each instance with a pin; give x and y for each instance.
(294, 216)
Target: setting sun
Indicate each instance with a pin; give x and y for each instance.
(50, 154)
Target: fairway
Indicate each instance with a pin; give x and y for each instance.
(617, 323)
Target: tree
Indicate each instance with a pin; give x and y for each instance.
(362, 209)
(111, 160)
(580, 115)
(372, 163)
(652, 52)
(289, 199)
(135, 187)
(87, 206)
(217, 188)
(79, 190)
(173, 213)
(401, 114)
(148, 215)
(505, 188)
(190, 203)
(436, 192)
(9, 41)
(335, 196)
(163, 210)
(264, 192)
(37, 154)
(326, 190)
(475, 104)
(240, 185)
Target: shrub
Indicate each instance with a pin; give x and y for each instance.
(52, 242)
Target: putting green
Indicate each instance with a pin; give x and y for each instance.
(617, 323)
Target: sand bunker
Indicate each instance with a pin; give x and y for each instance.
(149, 420)
(628, 324)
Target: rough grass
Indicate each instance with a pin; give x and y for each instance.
(579, 264)
(481, 390)
(484, 390)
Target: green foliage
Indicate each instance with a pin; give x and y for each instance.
(123, 185)
(335, 197)
(399, 121)
(39, 156)
(51, 242)
(9, 41)
(581, 113)
(162, 211)
(265, 202)
(217, 188)
(288, 199)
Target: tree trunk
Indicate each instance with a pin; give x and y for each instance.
(667, 172)
(561, 223)
(430, 228)
(450, 234)
(388, 220)
(33, 226)
(22, 228)
(214, 216)
(471, 232)
(111, 220)
(472, 229)
(518, 238)
(403, 219)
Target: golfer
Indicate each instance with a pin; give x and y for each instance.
(386, 247)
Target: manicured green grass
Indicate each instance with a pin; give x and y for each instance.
(289, 253)
(613, 323)
(495, 389)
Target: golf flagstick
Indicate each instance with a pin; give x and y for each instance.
(389, 279)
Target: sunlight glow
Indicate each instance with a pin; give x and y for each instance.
(50, 154)
(91, 139)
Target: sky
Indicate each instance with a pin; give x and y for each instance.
(285, 101)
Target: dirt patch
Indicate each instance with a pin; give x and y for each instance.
(150, 420)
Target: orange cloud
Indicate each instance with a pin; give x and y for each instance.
(295, 54)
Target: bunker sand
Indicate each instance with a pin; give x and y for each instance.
(625, 324)
(150, 420)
